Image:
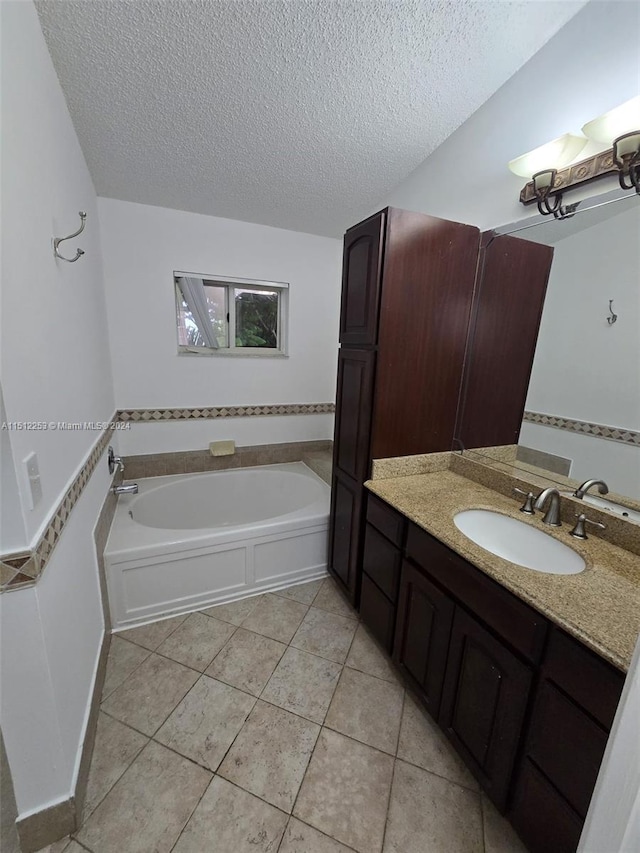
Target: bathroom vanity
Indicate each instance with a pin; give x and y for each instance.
(522, 670)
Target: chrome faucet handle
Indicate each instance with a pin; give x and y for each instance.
(527, 506)
(114, 461)
(578, 531)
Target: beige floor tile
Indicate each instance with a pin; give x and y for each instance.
(123, 658)
(499, 835)
(304, 684)
(61, 846)
(366, 655)
(150, 636)
(326, 634)
(303, 592)
(330, 598)
(275, 617)
(367, 709)
(345, 792)
(148, 807)
(147, 697)
(235, 612)
(424, 744)
(427, 812)
(247, 661)
(270, 755)
(229, 820)
(205, 723)
(197, 641)
(300, 838)
(116, 746)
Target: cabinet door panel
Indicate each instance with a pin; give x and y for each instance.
(353, 412)
(425, 614)
(542, 817)
(429, 276)
(377, 613)
(361, 282)
(502, 339)
(381, 561)
(345, 530)
(484, 698)
(567, 745)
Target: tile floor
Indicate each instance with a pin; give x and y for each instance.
(272, 724)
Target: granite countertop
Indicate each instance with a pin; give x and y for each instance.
(599, 606)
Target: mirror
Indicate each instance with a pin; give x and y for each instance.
(582, 414)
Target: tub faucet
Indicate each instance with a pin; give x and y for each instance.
(552, 515)
(581, 491)
(131, 489)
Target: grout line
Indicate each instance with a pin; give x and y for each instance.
(386, 820)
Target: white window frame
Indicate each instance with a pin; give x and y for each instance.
(230, 283)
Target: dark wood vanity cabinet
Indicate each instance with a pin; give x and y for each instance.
(437, 334)
(528, 707)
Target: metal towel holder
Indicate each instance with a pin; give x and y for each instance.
(58, 240)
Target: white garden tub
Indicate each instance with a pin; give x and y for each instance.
(192, 540)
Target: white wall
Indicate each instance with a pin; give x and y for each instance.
(584, 368)
(590, 66)
(143, 245)
(55, 367)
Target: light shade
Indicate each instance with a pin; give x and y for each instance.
(552, 155)
(615, 123)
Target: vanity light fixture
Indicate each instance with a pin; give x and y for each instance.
(620, 128)
(551, 176)
(542, 165)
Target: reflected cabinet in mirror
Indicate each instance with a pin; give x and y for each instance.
(582, 409)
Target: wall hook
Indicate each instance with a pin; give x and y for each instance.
(613, 317)
(58, 240)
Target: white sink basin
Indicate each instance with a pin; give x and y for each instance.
(518, 542)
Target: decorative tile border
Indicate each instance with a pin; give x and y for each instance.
(26, 567)
(163, 415)
(624, 436)
(23, 569)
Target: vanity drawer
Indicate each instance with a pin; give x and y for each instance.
(382, 561)
(566, 744)
(593, 683)
(386, 520)
(514, 621)
(377, 612)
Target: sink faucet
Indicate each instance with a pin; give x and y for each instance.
(584, 488)
(552, 515)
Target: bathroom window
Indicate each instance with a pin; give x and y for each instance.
(230, 316)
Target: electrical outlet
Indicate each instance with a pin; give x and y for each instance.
(33, 479)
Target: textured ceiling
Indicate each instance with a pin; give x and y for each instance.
(299, 114)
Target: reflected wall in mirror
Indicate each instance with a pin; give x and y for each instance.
(582, 412)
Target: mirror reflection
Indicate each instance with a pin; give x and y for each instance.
(582, 414)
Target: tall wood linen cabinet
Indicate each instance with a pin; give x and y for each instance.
(411, 311)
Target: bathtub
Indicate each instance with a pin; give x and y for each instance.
(188, 541)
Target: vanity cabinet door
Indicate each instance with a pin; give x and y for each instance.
(484, 699)
(425, 614)
(361, 282)
(345, 530)
(353, 412)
